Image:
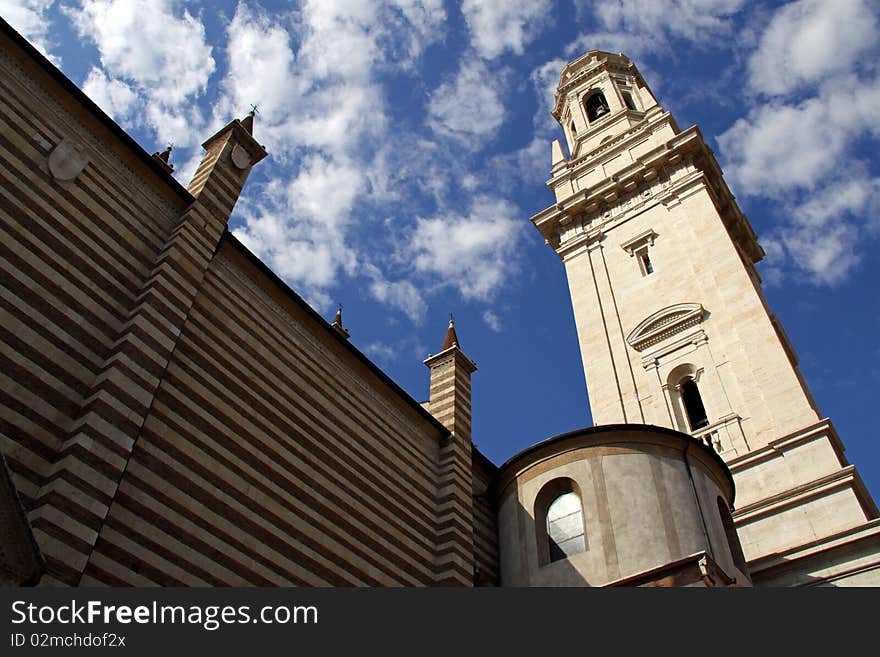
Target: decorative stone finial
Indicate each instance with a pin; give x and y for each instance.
(248, 122)
(337, 323)
(163, 157)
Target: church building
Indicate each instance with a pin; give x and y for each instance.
(173, 414)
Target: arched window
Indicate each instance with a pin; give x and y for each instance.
(565, 526)
(559, 521)
(628, 100)
(693, 404)
(596, 106)
(739, 559)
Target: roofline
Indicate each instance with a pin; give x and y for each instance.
(476, 454)
(607, 428)
(96, 111)
(299, 301)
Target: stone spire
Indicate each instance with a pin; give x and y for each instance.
(451, 339)
(451, 370)
(337, 324)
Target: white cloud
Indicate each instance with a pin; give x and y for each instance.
(142, 44)
(636, 46)
(637, 28)
(28, 18)
(419, 23)
(300, 226)
(309, 266)
(780, 146)
(497, 26)
(821, 236)
(803, 152)
(253, 41)
(530, 165)
(545, 80)
(323, 116)
(474, 253)
(468, 108)
(695, 20)
(492, 321)
(339, 117)
(331, 75)
(325, 189)
(381, 352)
(115, 97)
(145, 42)
(807, 41)
(402, 295)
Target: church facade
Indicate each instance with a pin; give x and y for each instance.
(172, 413)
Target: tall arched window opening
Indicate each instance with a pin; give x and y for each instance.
(559, 521)
(596, 106)
(693, 404)
(565, 526)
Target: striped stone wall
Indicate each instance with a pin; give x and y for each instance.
(171, 413)
(76, 255)
(272, 455)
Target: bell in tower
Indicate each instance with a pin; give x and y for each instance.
(600, 95)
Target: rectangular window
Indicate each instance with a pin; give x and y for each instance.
(628, 100)
(645, 263)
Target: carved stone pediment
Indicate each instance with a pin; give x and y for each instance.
(664, 324)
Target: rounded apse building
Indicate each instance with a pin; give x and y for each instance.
(624, 504)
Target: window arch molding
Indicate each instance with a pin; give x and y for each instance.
(564, 491)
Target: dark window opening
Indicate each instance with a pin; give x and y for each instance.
(647, 267)
(628, 100)
(693, 404)
(597, 106)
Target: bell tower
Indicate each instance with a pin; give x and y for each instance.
(674, 329)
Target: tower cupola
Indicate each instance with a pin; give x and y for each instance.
(600, 95)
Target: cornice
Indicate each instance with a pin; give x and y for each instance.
(651, 123)
(845, 477)
(609, 195)
(775, 448)
(453, 352)
(649, 180)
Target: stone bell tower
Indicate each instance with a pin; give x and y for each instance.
(674, 329)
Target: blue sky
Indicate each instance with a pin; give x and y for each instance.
(410, 144)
